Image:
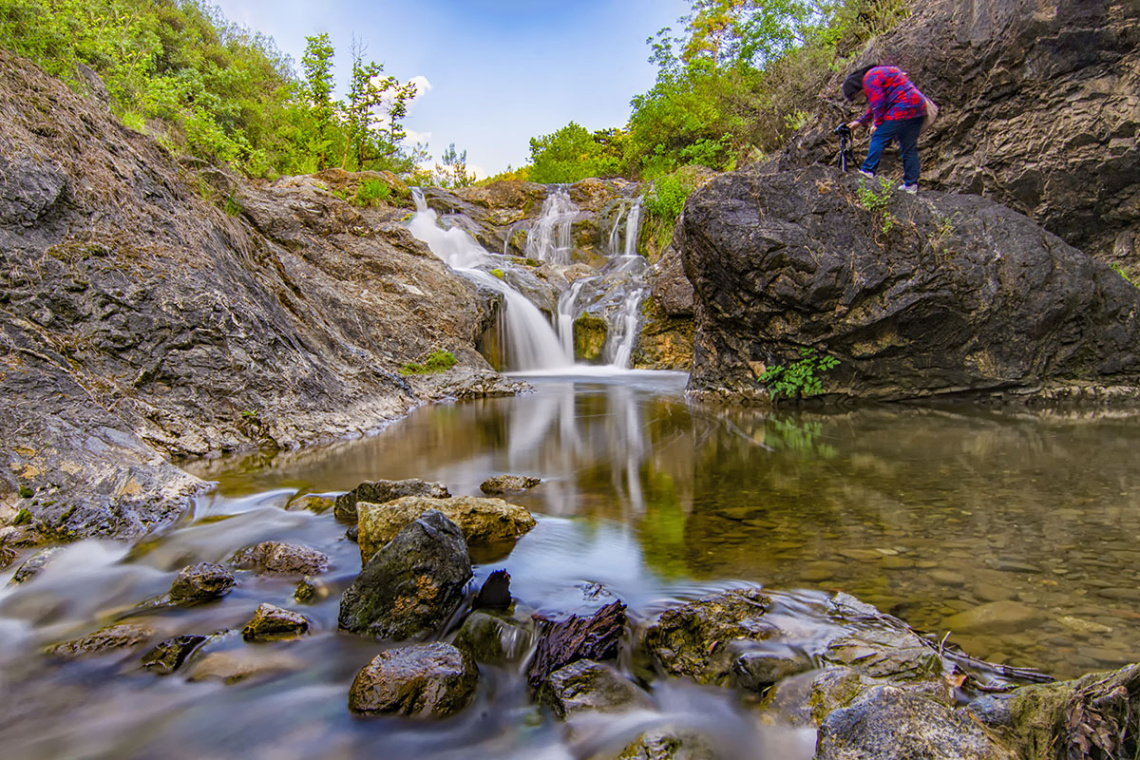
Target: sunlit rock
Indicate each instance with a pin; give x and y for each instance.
(271, 623)
(381, 491)
(201, 583)
(424, 681)
(279, 558)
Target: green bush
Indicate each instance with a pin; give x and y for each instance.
(438, 361)
(799, 379)
(667, 199)
(372, 192)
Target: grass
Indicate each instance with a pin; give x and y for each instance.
(437, 361)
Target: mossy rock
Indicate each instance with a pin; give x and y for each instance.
(589, 337)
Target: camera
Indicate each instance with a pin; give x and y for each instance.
(842, 130)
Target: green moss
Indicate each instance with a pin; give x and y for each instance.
(27, 493)
(589, 337)
(498, 273)
(438, 361)
(22, 517)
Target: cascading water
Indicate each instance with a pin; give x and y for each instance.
(549, 238)
(567, 305)
(623, 332)
(531, 342)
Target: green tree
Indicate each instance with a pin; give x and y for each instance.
(573, 153)
(318, 88)
(452, 171)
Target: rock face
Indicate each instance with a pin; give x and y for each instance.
(483, 521)
(140, 321)
(951, 296)
(412, 585)
(1040, 111)
(382, 491)
(278, 558)
(201, 583)
(425, 681)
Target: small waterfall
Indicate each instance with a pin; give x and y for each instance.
(549, 238)
(531, 342)
(623, 333)
(567, 306)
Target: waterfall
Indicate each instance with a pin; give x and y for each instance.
(531, 342)
(567, 303)
(549, 238)
(623, 333)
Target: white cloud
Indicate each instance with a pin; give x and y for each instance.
(422, 86)
(414, 137)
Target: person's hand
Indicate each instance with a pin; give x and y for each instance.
(854, 124)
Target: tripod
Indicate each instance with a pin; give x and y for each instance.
(844, 133)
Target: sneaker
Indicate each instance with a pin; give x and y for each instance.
(912, 189)
(867, 174)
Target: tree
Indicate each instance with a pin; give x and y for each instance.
(453, 170)
(573, 153)
(318, 87)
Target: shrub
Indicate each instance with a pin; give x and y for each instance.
(437, 361)
(372, 192)
(799, 379)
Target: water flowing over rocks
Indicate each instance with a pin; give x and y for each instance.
(109, 639)
(959, 297)
(588, 686)
(1040, 111)
(169, 655)
(496, 637)
(412, 585)
(141, 322)
(382, 491)
(279, 558)
(201, 582)
(271, 623)
(565, 642)
(483, 521)
(423, 681)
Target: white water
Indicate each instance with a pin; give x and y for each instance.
(567, 303)
(531, 342)
(549, 238)
(623, 331)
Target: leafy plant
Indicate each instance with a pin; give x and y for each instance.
(498, 273)
(799, 379)
(667, 199)
(372, 192)
(1131, 278)
(438, 361)
(878, 203)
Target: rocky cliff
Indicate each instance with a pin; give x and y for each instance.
(151, 310)
(1040, 111)
(921, 296)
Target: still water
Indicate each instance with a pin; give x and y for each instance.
(924, 512)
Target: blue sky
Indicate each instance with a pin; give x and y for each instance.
(500, 71)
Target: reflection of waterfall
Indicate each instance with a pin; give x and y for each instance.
(549, 238)
(531, 342)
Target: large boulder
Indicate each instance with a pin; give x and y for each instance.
(424, 681)
(483, 521)
(412, 585)
(926, 296)
(381, 491)
(1040, 111)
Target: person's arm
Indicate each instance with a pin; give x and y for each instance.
(876, 98)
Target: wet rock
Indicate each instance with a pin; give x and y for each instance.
(34, 564)
(278, 558)
(757, 670)
(588, 686)
(483, 521)
(201, 583)
(667, 743)
(670, 288)
(576, 638)
(964, 297)
(495, 638)
(887, 723)
(994, 617)
(692, 640)
(501, 484)
(495, 593)
(424, 681)
(313, 503)
(590, 334)
(125, 636)
(381, 491)
(880, 646)
(412, 585)
(271, 623)
(169, 655)
(248, 664)
(310, 590)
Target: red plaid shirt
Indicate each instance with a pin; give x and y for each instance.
(891, 96)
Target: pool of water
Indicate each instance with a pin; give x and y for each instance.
(932, 514)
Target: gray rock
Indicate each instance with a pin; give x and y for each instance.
(381, 491)
(668, 743)
(412, 585)
(272, 623)
(671, 289)
(278, 558)
(588, 686)
(501, 484)
(758, 670)
(201, 583)
(889, 723)
(424, 681)
(115, 637)
(34, 565)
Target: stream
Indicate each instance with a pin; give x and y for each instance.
(925, 513)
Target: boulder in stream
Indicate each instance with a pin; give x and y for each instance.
(412, 585)
(34, 565)
(272, 623)
(381, 491)
(496, 638)
(279, 558)
(169, 655)
(109, 639)
(483, 521)
(564, 642)
(588, 686)
(201, 582)
(422, 681)
(502, 484)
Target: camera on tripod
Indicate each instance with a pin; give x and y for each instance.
(844, 133)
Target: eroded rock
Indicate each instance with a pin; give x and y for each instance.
(424, 681)
(111, 638)
(588, 686)
(271, 623)
(381, 491)
(564, 642)
(169, 655)
(279, 558)
(201, 582)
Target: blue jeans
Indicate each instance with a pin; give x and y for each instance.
(906, 133)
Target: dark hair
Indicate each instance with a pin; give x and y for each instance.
(853, 84)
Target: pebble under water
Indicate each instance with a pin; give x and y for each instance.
(933, 514)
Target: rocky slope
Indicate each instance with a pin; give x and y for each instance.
(1040, 111)
(139, 321)
(928, 295)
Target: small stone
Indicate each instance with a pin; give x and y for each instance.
(168, 656)
(34, 565)
(271, 623)
(125, 636)
(495, 593)
(503, 484)
(278, 558)
(423, 681)
(991, 592)
(310, 591)
(994, 617)
(1082, 626)
(312, 502)
(201, 582)
(947, 577)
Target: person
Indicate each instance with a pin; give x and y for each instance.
(897, 108)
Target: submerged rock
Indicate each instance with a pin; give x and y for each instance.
(424, 681)
(501, 484)
(278, 558)
(125, 636)
(310, 590)
(271, 623)
(576, 638)
(201, 583)
(169, 655)
(495, 638)
(994, 617)
(238, 665)
(381, 491)
(34, 565)
(483, 521)
(668, 743)
(588, 686)
(412, 585)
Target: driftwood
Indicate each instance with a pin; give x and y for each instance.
(576, 638)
